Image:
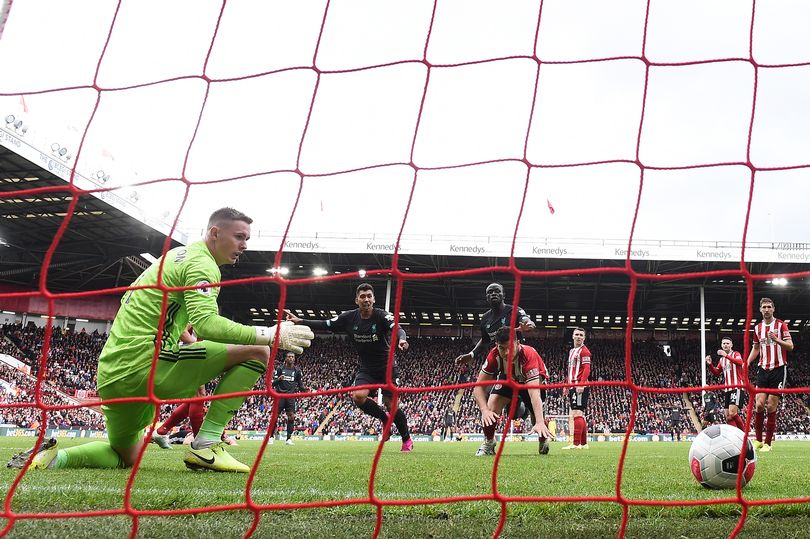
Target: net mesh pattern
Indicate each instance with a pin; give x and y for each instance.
(401, 278)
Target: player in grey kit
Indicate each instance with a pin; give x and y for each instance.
(287, 378)
(369, 328)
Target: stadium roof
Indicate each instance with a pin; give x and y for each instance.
(565, 128)
(358, 126)
(102, 247)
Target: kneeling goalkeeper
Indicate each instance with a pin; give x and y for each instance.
(237, 352)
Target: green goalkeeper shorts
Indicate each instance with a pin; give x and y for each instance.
(180, 372)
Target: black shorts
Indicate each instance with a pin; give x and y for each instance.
(578, 401)
(523, 395)
(367, 377)
(506, 391)
(735, 397)
(772, 379)
(287, 405)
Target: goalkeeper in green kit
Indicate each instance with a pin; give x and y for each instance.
(237, 352)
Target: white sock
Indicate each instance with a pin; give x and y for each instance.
(202, 443)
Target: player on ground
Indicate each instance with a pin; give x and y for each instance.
(500, 315)
(527, 368)
(370, 329)
(771, 344)
(126, 360)
(579, 368)
(730, 366)
(287, 379)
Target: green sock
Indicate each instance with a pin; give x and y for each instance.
(242, 377)
(90, 455)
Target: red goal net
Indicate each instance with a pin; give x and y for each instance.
(624, 130)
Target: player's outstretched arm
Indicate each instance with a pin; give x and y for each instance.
(312, 324)
(290, 337)
(526, 324)
(469, 356)
(488, 417)
(537, 407)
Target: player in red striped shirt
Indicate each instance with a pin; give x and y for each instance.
(730, 366)
(579, 368)
(527, 368)
(771, 344)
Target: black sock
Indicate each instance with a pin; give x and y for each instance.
(371, 408)
(402, 424)
(290, 427)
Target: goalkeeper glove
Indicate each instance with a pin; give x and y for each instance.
(290, 337)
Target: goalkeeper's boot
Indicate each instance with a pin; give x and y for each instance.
(407, 446)
(543, 446)
(766, 448)
(757, 444)
(214, 458)
(161, 440)
(44, 456)
(487, 448)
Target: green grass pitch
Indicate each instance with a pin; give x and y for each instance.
(338, 471)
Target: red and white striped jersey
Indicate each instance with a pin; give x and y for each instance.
(731, 365)
(771, 355)
(579, 364)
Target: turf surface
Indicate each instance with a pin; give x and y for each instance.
(338, 472)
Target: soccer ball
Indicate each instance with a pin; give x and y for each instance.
(715, 457)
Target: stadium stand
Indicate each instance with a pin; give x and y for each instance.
(329, 364)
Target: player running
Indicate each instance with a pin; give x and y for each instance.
(370, 329)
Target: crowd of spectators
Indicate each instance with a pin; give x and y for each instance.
(330, 364)
(18, 388)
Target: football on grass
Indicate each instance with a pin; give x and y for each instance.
(715, 457)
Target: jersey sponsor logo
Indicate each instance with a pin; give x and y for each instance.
(180, 256)
(205, 290)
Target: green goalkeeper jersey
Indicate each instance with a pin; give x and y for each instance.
(132, 339)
